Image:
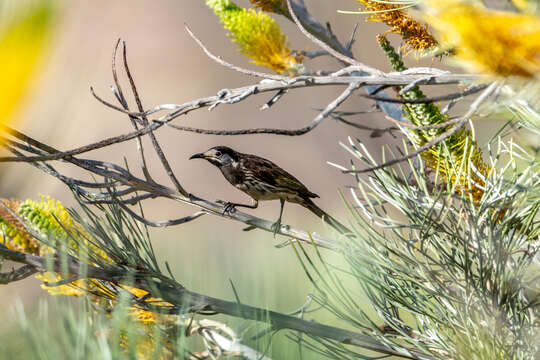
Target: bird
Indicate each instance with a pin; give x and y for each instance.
(261, 179)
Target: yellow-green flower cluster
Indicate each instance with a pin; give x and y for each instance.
(415, 34)
(258, 36)
(52, 220)
(13, 234)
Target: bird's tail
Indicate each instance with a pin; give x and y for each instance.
(309, 204)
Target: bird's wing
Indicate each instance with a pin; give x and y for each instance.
(273, 175)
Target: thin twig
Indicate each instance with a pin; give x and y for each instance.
(452, 121)
(164, 223)
(85, 148)
(220, 61)
(454, 96)
(155, 143)
(122, 100)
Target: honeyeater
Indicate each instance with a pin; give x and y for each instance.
(261, 179)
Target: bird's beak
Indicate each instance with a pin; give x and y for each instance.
(197, 156)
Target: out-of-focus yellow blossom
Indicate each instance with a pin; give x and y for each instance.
(142, 315)
(487, 41)
(23, 34)
(258, 36)
(416, 35)
(76, 288)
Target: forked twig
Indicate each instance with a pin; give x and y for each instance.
(155, 143)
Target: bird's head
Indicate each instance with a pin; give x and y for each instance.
(218, 156)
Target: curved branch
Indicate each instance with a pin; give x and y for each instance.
(312, 125)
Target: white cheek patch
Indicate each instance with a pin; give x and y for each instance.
(235, 164)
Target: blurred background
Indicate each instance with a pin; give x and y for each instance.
(57, 108)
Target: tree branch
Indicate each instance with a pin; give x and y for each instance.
(124, 177)
(17, 274)
(312, 125)
(190, 301)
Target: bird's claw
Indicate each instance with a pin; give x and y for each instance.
(276, 227)
(228, 208)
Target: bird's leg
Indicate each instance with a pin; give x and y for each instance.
(230, 207)
(277, 225)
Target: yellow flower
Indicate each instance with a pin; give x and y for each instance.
(258, 36)
(141, 315)
(416, 35)
(73, 289)
(488, 41)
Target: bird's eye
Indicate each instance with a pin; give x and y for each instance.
(218, 153)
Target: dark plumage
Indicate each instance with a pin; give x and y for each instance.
(261, 179)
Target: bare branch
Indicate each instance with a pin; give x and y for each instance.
(312, 125)
(97, 145)
(155, 143)
(122, 100)
(164, 223)
(122, 176)
(17, 274)
(177, 295)
(454, 96)
(228, 95)
(130, 201)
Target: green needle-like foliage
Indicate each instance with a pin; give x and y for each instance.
(452, 276)
(457, 151)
